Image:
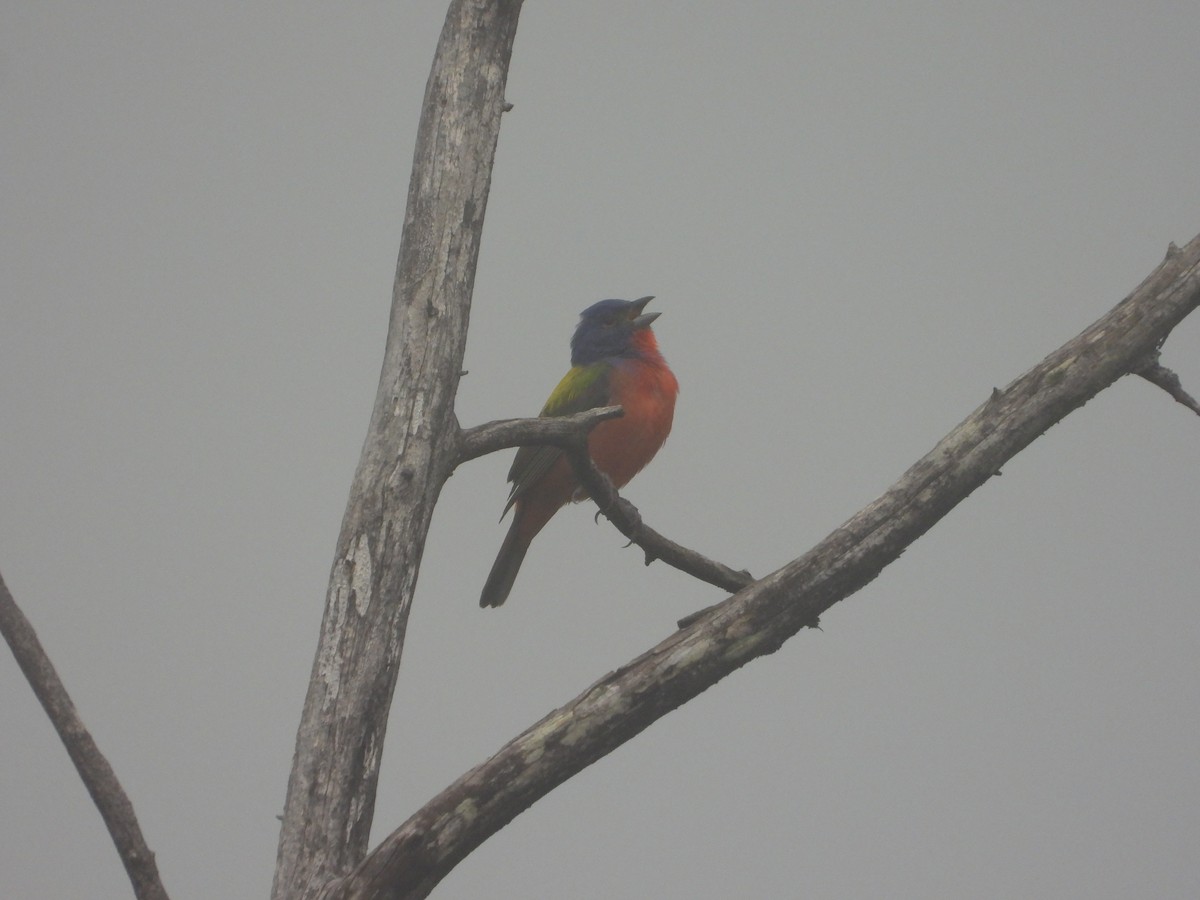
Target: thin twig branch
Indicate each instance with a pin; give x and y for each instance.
(1164, 378)
(97, 775)
(757, 620)
(570, 434)
(625, 516)
(558, 431)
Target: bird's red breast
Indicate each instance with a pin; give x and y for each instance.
(646, 388)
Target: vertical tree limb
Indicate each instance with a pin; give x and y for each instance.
(97, 775)
(408, 453)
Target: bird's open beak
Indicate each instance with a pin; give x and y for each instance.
(640, 319)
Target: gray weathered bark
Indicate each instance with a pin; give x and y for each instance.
(93, 768)
(407, 455)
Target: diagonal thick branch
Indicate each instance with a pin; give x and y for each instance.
(757, 620)
(95, 772)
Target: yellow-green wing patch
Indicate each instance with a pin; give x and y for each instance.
(583, 387)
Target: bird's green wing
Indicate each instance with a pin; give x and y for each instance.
(583, 387)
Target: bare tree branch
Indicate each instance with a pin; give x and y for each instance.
(98, 777)
(1164, 378)
(406, 457)
(570, 433)
(559, 431)
(625, 516)
(756, 621)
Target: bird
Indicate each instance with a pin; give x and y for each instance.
(615, 360)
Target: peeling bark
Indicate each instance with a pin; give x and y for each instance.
(408, 453)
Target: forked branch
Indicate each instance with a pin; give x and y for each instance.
(757, 620)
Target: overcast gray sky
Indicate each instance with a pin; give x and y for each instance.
(858, 218)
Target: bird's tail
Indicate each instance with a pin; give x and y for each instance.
(504, 569)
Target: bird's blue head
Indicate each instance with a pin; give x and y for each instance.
(607, 328)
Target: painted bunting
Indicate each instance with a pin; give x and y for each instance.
(614, 360)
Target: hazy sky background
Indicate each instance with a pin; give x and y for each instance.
(858, 218)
